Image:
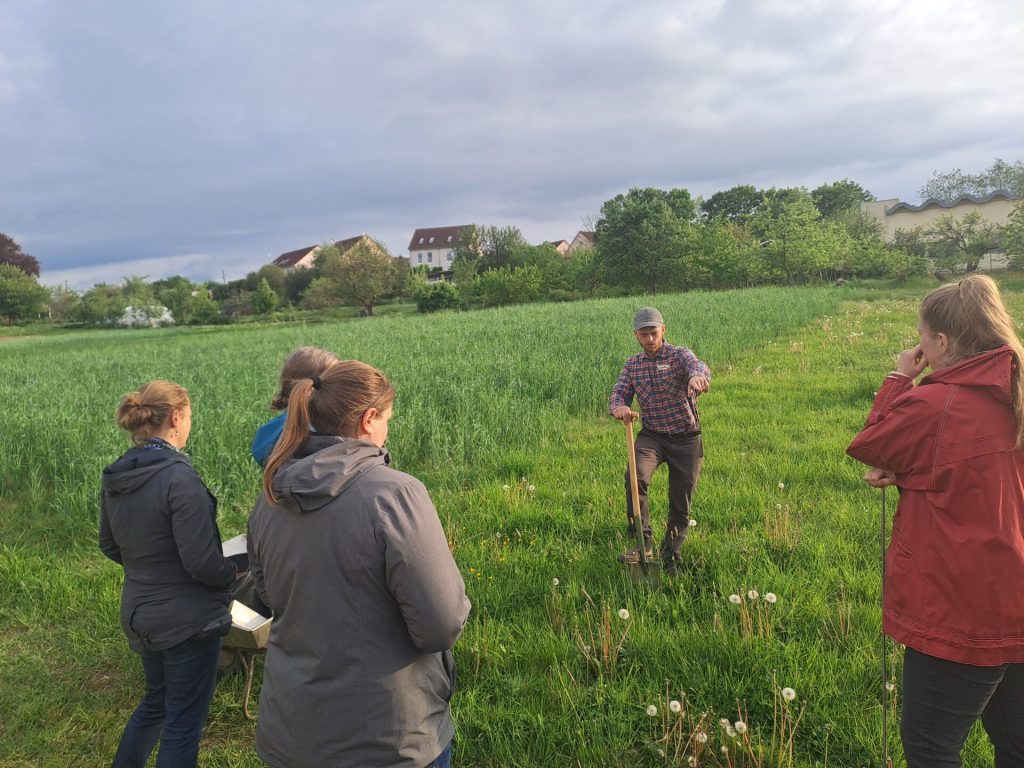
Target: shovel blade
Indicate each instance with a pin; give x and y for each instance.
(651, 575)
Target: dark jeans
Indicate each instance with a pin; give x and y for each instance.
(179, 689)
(941, 701)
(683, 456)
(444, 760)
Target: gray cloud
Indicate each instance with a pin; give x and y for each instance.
(205, 136)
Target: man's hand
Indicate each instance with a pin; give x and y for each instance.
(879, 478)
(625, 413)
(698, 386)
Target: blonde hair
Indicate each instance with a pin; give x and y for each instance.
(301, 363)
(346, 391)
(972, 315)
(142, 413)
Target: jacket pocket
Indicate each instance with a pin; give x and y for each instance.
(451, 672)
(899, 557)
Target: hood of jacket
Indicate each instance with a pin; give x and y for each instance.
(136, 467)
(990, 371)
(322, 468)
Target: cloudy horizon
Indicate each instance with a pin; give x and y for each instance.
(205, 138)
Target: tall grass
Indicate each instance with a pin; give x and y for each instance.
(503, 414)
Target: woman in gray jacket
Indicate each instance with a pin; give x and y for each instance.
(367, 599)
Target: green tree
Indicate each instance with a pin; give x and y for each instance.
(434, 296)
(508, 285)
(725, 256)
(1008, 177)
(642, 237)
(62, 304)
(322, 293)
(21, 296)
(296, 282)
(959, 244)
(364, 273)
(736, 204)
(795, 245)
(276, 278)
(263, 299)
(1013, 236)
(103, 303)
(137, 292)
(839, 197)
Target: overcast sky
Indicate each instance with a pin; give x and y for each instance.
(205, 137)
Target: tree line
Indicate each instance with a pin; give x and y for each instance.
(646, 240)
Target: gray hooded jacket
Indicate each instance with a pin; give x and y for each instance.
(367, 604)
(159, 521)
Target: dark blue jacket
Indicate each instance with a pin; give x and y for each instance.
(158, 520)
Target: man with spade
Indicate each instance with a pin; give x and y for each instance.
(666, 381)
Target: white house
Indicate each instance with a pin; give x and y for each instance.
(434, 246)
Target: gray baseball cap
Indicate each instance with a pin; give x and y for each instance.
(648, 317)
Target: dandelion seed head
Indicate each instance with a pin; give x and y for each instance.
(725, 749)
(652, 710)
(778, 507)
(890, 687)
(692, 523)
(554, 582)
(691, 761)
(661, 752)
(724, 722)
(504, 487)
(782, 486)
(769, 597)
(753, 594)
(788, 694)
(735, 599)
(623, 614)
(675, 706)
(740, 726)
(701, 737)
(730, 731)
(532, 488)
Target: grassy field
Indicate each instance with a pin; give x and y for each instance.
(502, 413)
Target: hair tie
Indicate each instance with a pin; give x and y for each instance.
(316, 382)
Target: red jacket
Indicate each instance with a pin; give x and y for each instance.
(955, 565)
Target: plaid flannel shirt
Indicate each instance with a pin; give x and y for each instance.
(660, 385)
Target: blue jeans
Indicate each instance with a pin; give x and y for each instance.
(444, 760)
(179, 689)
(942, 700)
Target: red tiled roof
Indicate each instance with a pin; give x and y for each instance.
(290, 259)
(443, 237)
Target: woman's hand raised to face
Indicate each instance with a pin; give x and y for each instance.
(912, 362)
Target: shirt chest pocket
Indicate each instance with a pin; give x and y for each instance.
(660, 378)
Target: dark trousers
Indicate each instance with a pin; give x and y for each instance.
(941, 701)
(683, 456)
(179, 689)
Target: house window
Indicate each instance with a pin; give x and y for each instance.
(421, 241)
(431, 239)
(430, 258)
(419, 258)
(450, 238)
(449, 255)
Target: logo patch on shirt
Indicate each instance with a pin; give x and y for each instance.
(664, 366)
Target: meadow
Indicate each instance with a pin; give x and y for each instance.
(503, 414)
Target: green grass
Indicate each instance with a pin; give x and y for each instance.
(549, 675)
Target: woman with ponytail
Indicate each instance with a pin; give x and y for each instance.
(367, 600)
(955, 566)
(158, 520)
